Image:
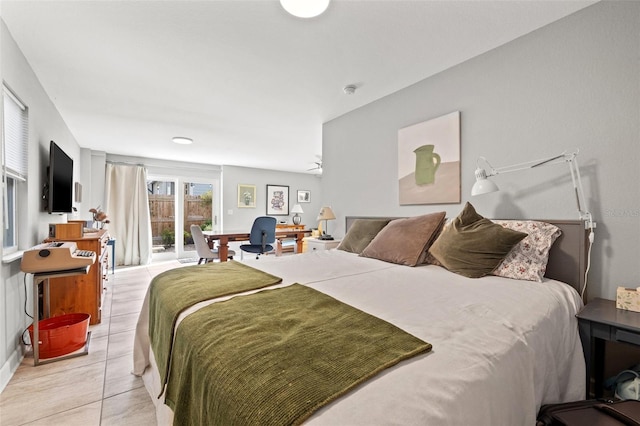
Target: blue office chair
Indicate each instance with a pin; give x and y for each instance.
(263, 235)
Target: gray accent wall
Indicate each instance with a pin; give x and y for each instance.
(574, 84)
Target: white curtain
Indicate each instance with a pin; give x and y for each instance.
(127, 206)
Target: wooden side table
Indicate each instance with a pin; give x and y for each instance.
(598, 322)
(44, 278)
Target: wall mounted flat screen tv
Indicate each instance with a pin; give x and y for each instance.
(60, 184)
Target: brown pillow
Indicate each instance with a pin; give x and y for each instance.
(473, 246)
(429, 258)
(405, 241)
(360, 234)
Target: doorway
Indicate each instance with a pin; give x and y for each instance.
(174, 205)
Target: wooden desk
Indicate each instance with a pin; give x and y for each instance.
(224, 238)
(280, 247)
(289, 227)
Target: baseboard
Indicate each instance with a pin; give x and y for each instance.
(10, 367)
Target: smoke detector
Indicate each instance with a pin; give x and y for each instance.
(349, 89)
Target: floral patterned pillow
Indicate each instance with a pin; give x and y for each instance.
(527, 260)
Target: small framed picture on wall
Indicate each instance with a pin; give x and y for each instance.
(277, 200)
(246, 196)
(304, 196)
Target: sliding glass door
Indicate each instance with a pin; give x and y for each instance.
(162, 200)
(198, 207)
(174, 205)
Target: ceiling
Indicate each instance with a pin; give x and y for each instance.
(250, 84)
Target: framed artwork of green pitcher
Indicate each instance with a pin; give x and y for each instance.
(429, 161)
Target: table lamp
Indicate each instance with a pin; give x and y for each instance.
(297, 208)
(326, 214)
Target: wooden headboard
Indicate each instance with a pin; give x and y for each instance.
(568, 255)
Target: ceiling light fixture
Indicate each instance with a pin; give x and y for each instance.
(349, 89)
(182, 140)
(305, 8)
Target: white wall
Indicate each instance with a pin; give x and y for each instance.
(45, 124)
(163, 167)
(572, 84)
(235, 218)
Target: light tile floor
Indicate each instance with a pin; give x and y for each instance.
(96, 389)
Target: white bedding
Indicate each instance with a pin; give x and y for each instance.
(501, 347)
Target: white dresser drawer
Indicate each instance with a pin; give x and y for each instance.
(316, 244)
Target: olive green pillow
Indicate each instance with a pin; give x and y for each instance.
(405, 241)
(360, 234)
(473, 246)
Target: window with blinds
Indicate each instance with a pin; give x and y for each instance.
(15, 136)
(14, 164)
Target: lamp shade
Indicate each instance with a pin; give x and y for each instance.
(484, 186)
(326, 214)
(305, 8)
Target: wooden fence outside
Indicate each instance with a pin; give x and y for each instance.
(162, 210)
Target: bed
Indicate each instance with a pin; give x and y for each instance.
(498, 348)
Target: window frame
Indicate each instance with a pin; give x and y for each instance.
(13, 178)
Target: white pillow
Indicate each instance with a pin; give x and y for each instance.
(527, 260)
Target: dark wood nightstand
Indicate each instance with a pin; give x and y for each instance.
(598, 322)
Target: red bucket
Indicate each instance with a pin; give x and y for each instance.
(61, 335)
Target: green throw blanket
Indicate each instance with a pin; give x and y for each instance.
(178, 289)
(275, 357)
